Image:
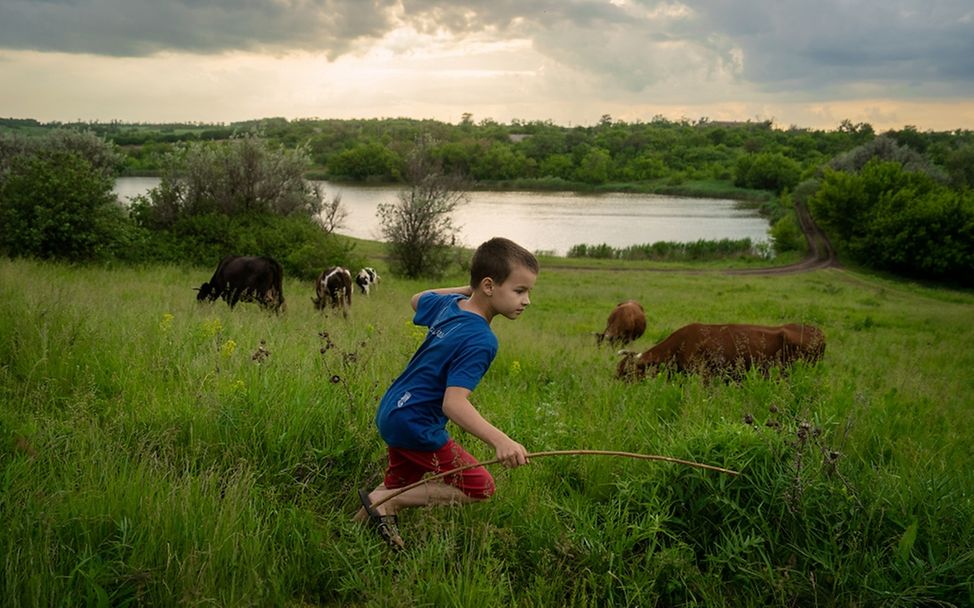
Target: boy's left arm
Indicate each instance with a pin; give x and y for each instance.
(457, 407)
(465, 290)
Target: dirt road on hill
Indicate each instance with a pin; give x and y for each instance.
(820, 251)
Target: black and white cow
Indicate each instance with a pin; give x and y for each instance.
(334, 287)
(246, 279)
(366, 279)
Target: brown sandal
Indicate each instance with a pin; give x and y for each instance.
(386, 525)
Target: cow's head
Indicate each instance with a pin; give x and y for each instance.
(203, 292)
(274, 300)
(631, 366)
(321, 292)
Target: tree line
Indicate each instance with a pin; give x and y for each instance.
(751, 160)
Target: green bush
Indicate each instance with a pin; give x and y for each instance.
(892, 219)
(670, 251)
(243, 197)
(301, 247)
(787, 235)
(57, 205)
(242, 176)
(767, 171)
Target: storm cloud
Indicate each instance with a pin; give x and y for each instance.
(815, 61)
(778, 45)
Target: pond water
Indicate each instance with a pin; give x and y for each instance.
(551, 221)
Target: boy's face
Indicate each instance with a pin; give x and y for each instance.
(511, 297)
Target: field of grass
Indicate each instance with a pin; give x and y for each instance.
(154, 451)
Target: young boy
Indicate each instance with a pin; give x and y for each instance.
(436, 385)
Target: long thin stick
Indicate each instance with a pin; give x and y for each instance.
(425, 480)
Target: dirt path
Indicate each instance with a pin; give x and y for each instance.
(820, 251)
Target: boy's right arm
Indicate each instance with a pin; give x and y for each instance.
(466, 290)
(457, 407)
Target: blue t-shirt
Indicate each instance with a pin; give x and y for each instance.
(457, 351)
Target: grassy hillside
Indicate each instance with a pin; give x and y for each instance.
(152, 453)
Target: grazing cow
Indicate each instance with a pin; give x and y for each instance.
(727, 350)
(334, 286)
(626, 323)
(366, 278)
(246, 279)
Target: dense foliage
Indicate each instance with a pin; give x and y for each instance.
(242, 197)
(893, 219)
(747, 160)
(245, 197)
(56, 198)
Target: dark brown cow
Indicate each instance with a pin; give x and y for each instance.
(726, 350)
(334, 287)
(626, 323)
(246, 279)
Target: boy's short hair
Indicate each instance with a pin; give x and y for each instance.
(496, 259)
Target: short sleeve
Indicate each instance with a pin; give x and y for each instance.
(428, 307)
(469, 366)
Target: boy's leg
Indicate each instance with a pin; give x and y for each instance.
(409, 466)
(428, 494)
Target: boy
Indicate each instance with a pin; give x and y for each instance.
(436, 385)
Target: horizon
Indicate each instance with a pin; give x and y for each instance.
(517, 121)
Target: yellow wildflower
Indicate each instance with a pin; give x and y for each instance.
(515, 368)
(212, 327)
(166, 323)
(228, 347)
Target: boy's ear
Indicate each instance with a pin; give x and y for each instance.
(487, 285)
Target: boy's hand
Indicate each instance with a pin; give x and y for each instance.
(459, 409)
(511, 453)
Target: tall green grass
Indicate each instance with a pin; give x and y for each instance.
(154, 451)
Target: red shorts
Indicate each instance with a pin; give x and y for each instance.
(409, 466)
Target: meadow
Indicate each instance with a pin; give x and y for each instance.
(155, 451)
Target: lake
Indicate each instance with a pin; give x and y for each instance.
(551, 221)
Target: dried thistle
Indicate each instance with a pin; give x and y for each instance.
(261, 354)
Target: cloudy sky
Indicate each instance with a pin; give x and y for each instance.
(810, 63)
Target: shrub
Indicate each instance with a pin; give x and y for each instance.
(242, 197)
(418, 227)
(885, 148)
(670, 250)
(889, 218)
(296, 242)
(767, 171)
(54, 204)
(787, 235)
(244, 175)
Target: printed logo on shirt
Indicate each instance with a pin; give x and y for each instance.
(439, 333)
(402, 400)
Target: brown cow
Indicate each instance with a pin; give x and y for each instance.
(726, 350)
(626, 323)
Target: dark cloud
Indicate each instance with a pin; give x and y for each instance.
(779, 45)
(145, 27)
(830, 42)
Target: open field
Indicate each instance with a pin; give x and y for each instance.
(152, 454)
